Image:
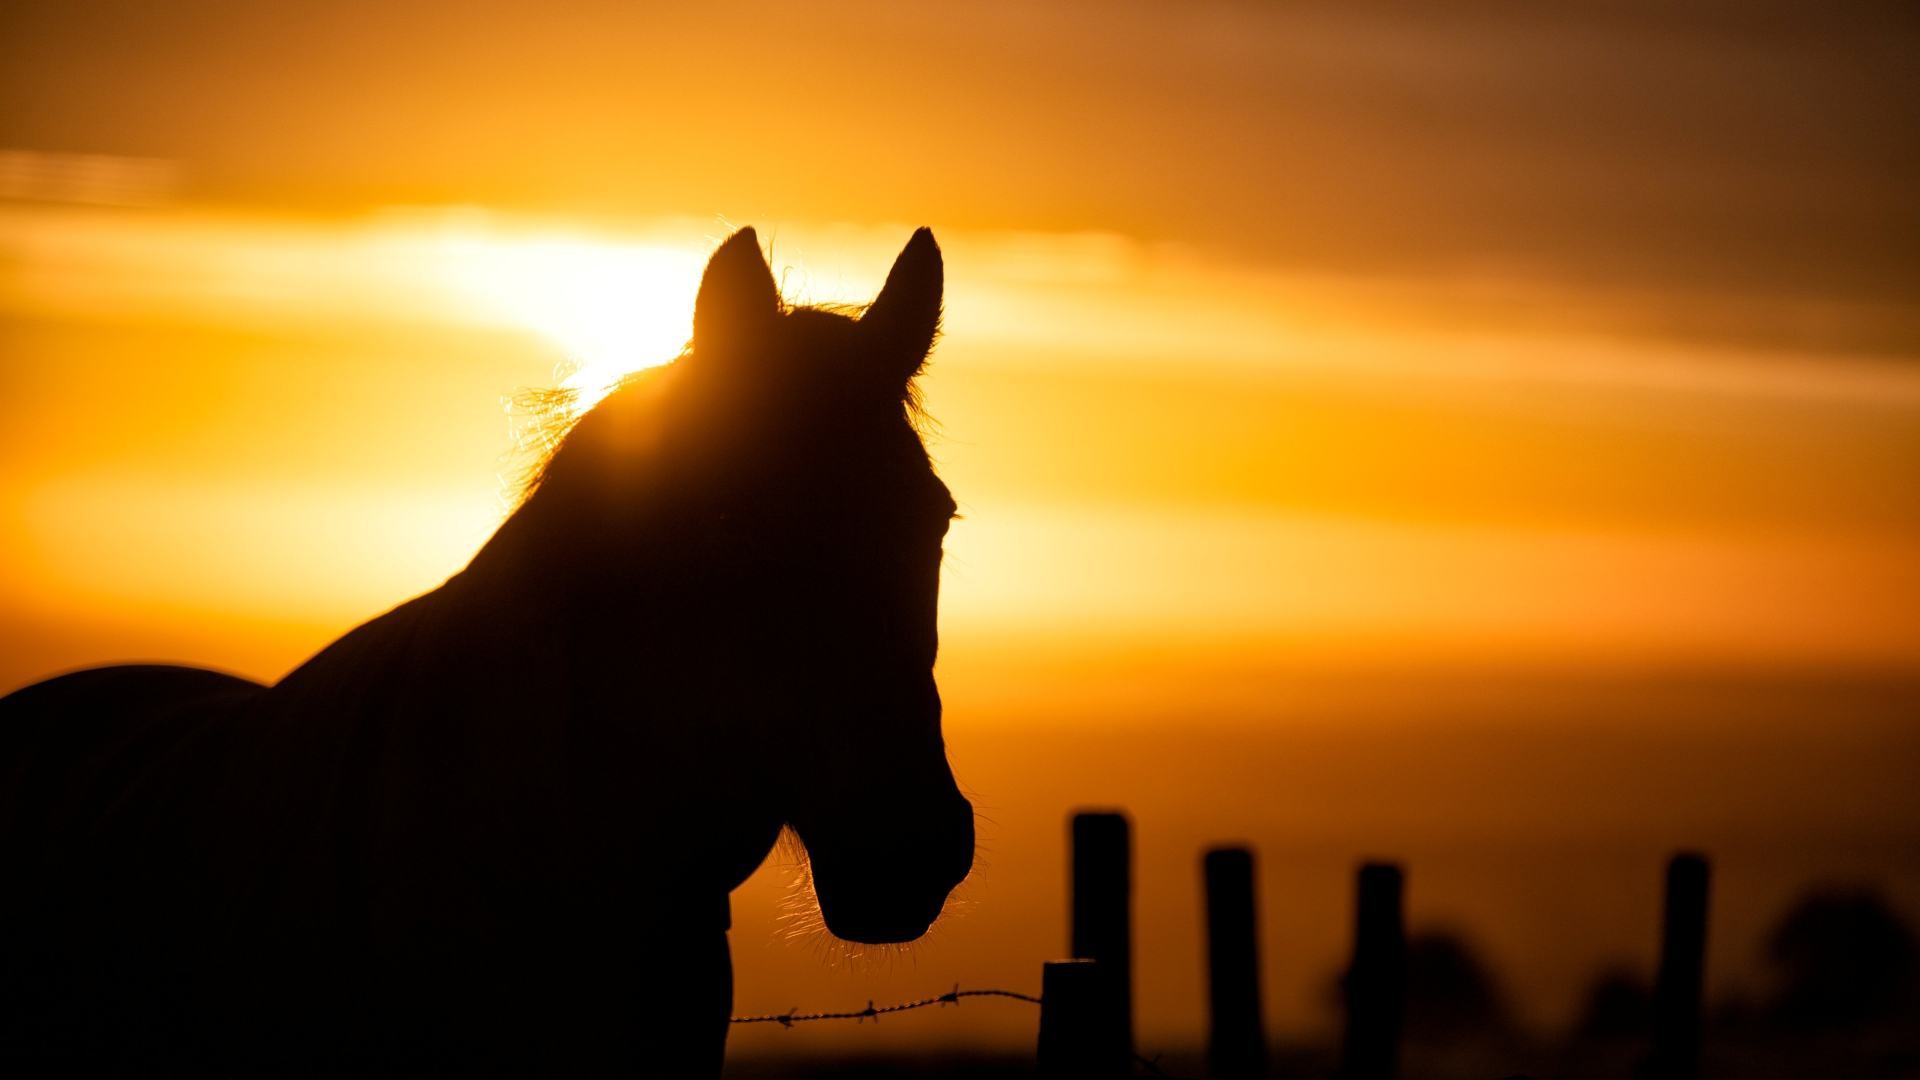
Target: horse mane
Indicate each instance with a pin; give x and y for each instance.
(544, 418)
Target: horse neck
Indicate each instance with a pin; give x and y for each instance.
(583, 722)
(622, 645)
(653, 679)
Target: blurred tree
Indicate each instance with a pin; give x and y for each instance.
(1451, 994)
(1618, 1006)
(1844, 957)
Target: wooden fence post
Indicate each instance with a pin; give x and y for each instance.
(1236, 1037)
(1376, 983)
(1078, 1040)
(1683, 948)
(1103, 908)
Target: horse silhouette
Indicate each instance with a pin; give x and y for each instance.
(494, 829)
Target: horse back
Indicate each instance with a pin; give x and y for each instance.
(107, 778)
(91, 738)
(207, 869)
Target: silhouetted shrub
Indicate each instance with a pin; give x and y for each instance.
(1844, 957)
(1450, 991)
(1618, 1007)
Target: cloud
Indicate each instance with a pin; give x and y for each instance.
(1753, 161)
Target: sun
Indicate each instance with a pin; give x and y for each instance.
(612, 308)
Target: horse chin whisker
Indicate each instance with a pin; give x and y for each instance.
(789, 848)
(799, 905)
(801, 921)
(859, 957)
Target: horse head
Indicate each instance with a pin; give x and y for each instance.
(836, 477)
(771, 490)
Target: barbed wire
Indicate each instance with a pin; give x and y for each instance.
(1152, 1065)
(952, 997)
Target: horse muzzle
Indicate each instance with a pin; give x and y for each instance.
(886, 883)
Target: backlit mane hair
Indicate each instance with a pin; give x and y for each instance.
(544, 418)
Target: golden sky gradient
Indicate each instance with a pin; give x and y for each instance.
(1508, 376)
(303, 420)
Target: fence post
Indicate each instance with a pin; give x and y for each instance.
(1676, 993)
(1103, 908)
(1376, 983)
(1078, 1040)
(1236, 1038)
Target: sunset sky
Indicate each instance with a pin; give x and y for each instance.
(1305, 365)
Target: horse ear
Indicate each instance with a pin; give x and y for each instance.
(904, 319)
(737, 299)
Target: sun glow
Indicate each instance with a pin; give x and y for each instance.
(612, 308)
